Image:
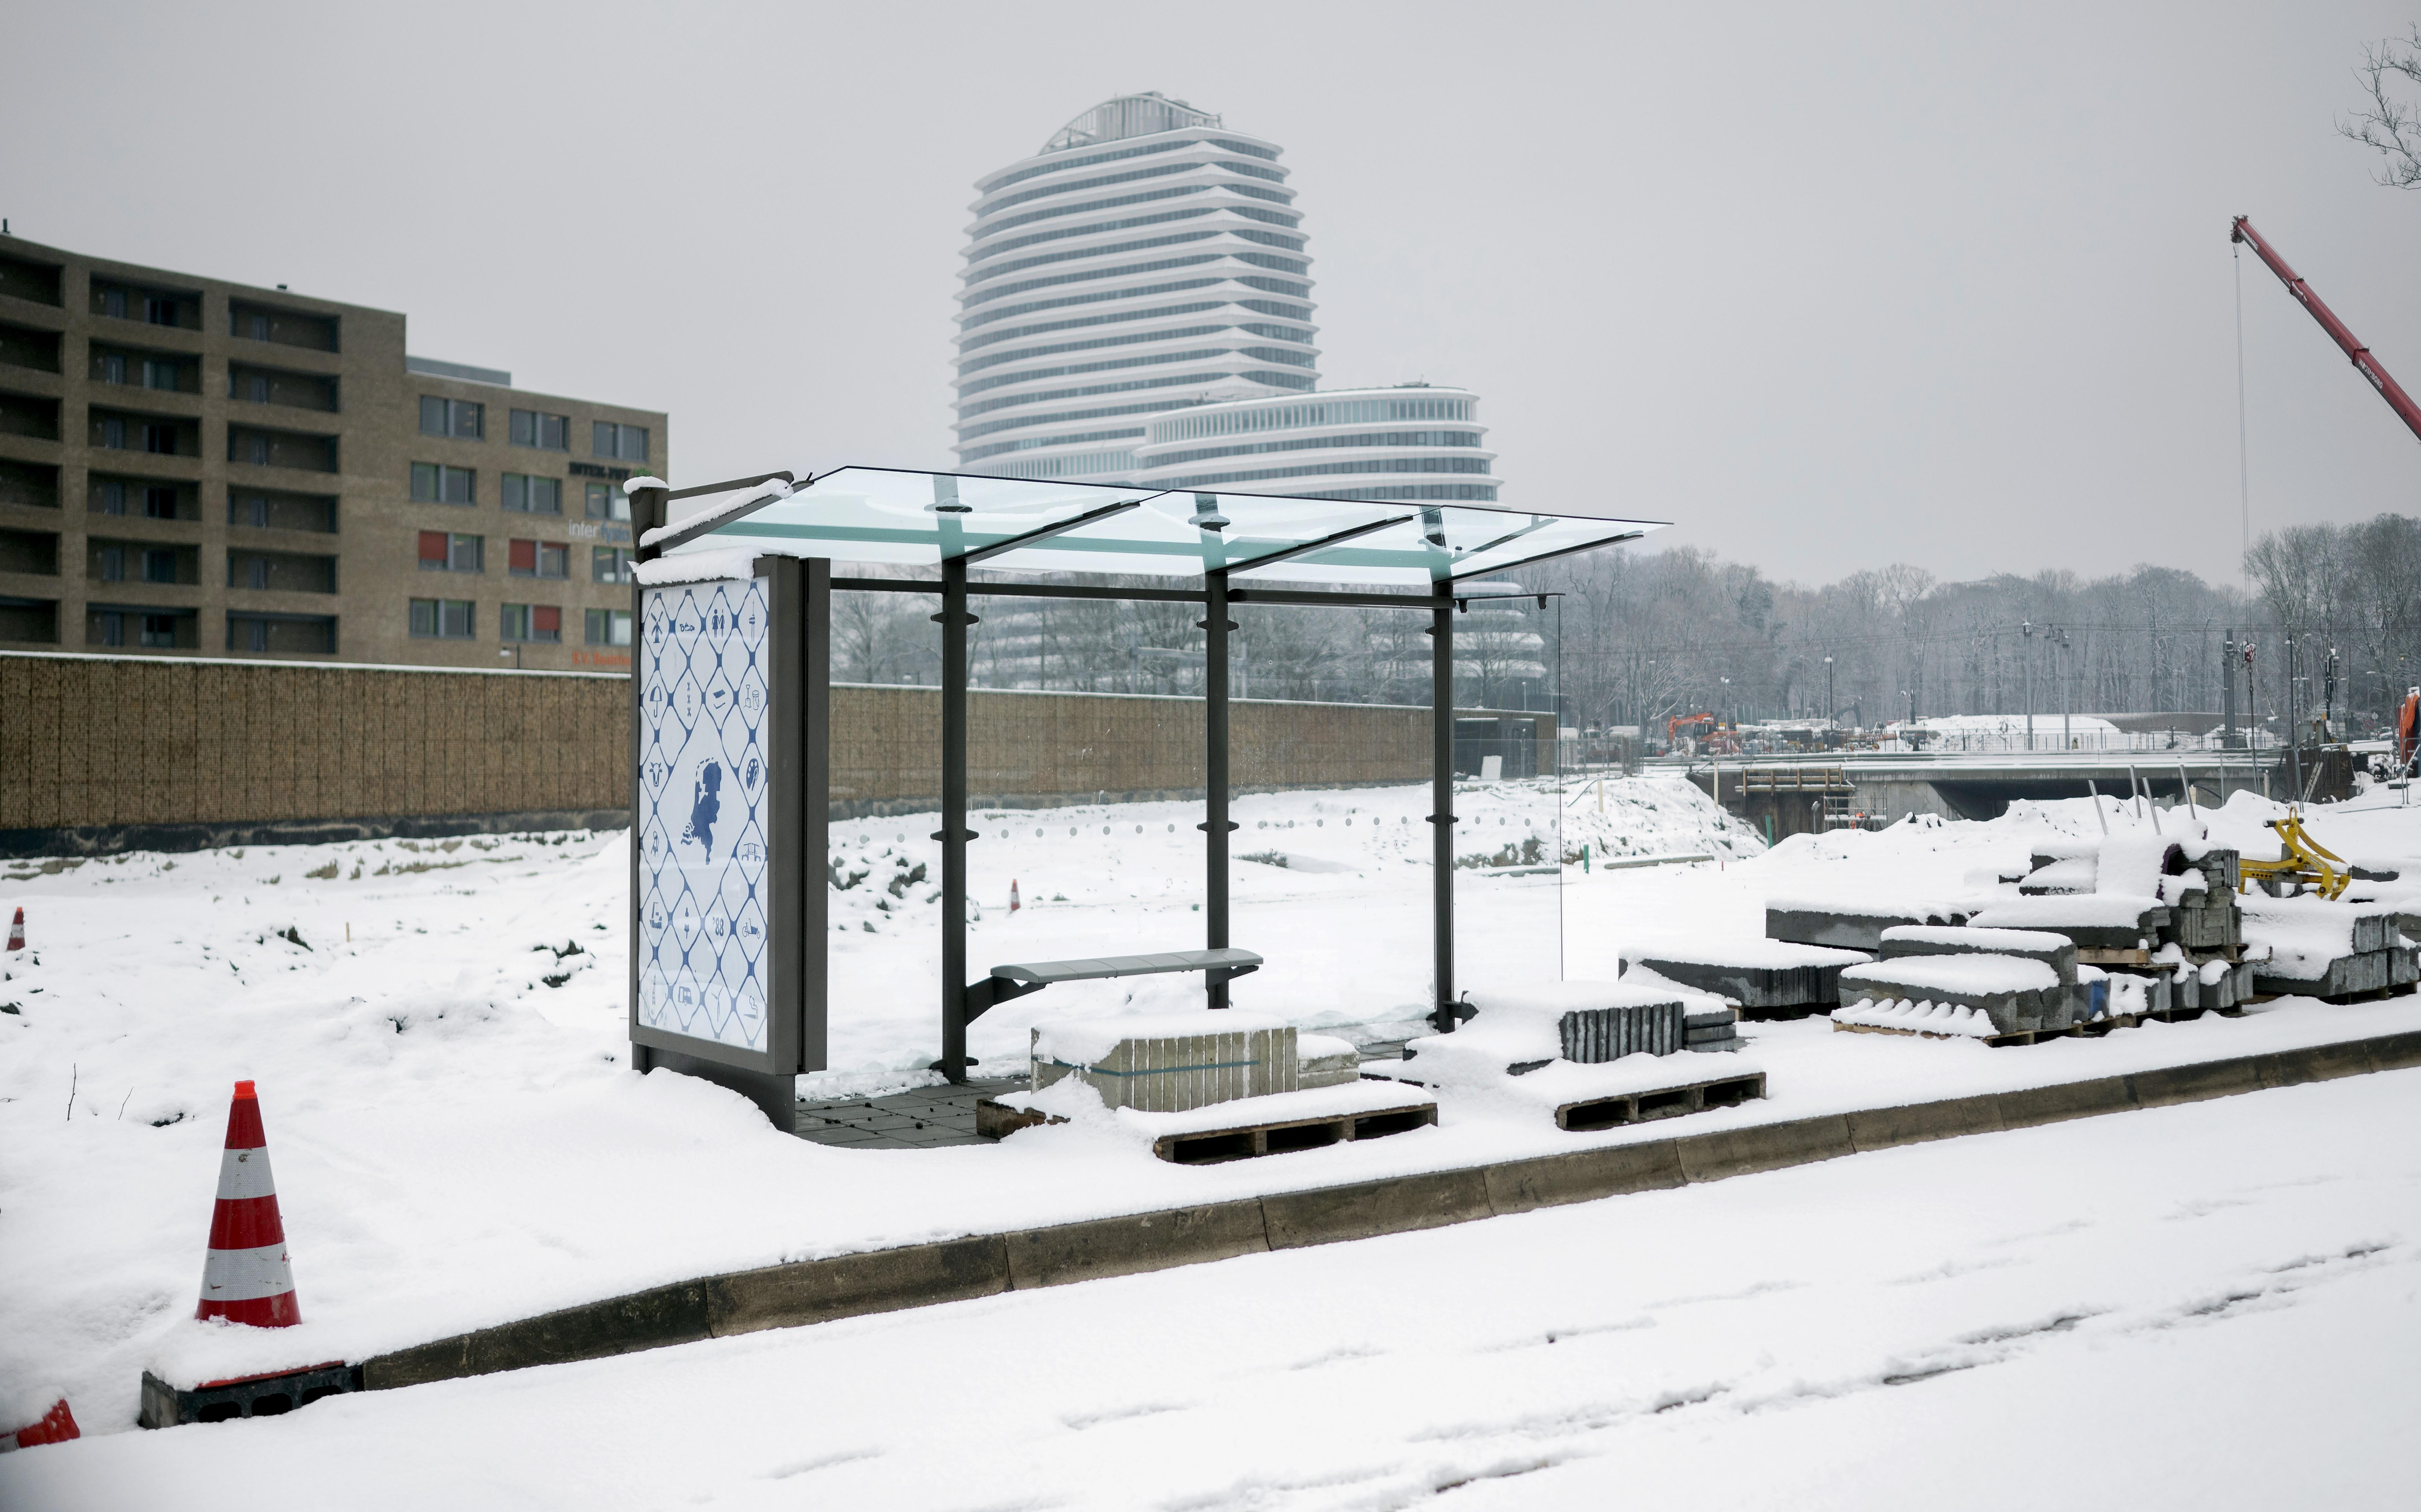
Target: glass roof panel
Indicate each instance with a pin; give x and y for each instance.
(863, 514)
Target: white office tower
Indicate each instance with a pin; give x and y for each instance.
(1411, 442)
(1147, 261)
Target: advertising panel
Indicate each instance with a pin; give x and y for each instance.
(703, 826)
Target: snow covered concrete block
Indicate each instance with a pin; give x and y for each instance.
(1933, 1020)
(1715, 1029)
(2371, 971)
(2056, 951)
(1589, 1021)
(1169, 1062)
(1729, 1152)
(2094, 921)
(1326, 1060)
(1761, 975)
(2015, 993)
(2062, 877)
(1849, 925)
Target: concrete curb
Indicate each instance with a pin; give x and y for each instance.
(850, 1285)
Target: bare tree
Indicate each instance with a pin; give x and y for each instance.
(2389, 124)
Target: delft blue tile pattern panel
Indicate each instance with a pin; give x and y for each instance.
(702, 818)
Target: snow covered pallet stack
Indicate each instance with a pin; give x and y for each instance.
(1204, 1087)
(1858, 926)
(2002, 985)
(1595, 1054)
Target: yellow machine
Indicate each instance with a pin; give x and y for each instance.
(2302, 860)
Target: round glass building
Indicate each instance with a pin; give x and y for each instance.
(1147, 261)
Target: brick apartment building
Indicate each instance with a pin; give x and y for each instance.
(193, 467)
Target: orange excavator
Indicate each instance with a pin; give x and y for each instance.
(2408, 731)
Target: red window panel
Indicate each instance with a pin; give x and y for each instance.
(546, 620)
(525, 556)
(432, 546)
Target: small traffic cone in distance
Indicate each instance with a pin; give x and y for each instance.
(57, 1425)
(247, 1277)
(1013, 904)
(17, 930)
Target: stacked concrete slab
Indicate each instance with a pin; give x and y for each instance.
(2318, 949)
(1856, 925)
(2058, 1011)
(1764, 978)
(2019, 994)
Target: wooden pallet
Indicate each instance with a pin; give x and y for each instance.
(1660, 1103)
(2101, 955)
(2093, 1030)
(1242, 1141)
(1237, 1141)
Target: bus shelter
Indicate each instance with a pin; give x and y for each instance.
(741, 832)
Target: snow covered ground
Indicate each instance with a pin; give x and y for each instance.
(437, 1029)
(2213, 1306)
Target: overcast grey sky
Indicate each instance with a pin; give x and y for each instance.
(1828, 288)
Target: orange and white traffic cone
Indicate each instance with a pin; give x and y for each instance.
(17, 930)
(1013, 904)
(248, 1278)
(57, 1425)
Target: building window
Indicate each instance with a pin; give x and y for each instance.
(160, 566)
(161, 438)
(159, 309)
(446, 619)
(113, 433)
(606, 501)
(435, 484)
(112, 567)
(530, 622)
(628, 442)
(452, 552)
(533, 495)
(609, 627)
(109, 497)
(531, 428)
(459, 418)
(159, 504)
(113, 304)
(113, 367)
(158, 374)
(256, 388)
(259, 330)
(609, 564)
(540, 559)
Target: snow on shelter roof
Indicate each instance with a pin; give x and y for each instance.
(874, 514)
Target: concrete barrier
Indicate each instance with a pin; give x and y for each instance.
(847, 1286)
(1583, 1175)
(1729, 1152)
(2036, 1105)
(1876, 1128)
(2172, 1084)
(1327, 1215)
(1106, 1247)
(986, 1264)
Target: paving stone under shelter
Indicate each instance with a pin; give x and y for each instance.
(923, 1118)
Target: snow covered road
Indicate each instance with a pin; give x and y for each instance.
(2216, 1305)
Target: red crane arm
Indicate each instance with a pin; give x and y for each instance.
(2363, 362)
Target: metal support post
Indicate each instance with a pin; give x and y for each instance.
(1442, 804)
(2228, 682)
(953, 835)
(1215, 826)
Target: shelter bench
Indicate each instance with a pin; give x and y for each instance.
(1018, 979)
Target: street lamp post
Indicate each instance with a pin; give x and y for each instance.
(2029, 628)
(1831, 714)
